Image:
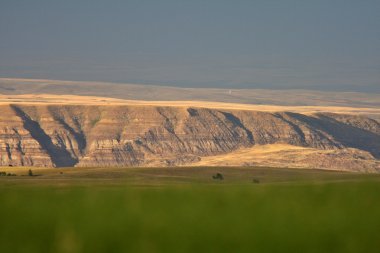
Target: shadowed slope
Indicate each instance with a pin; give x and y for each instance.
(347, 135)
(59, 155)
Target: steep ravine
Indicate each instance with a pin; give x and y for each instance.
(73, 135)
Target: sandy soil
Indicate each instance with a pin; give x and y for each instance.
(288, 156)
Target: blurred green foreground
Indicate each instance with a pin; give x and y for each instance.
(276, 217)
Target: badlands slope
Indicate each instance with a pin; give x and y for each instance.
(65, 131)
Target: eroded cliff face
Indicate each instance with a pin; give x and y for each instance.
(70, 135)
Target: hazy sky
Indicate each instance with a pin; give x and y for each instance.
(320, 44)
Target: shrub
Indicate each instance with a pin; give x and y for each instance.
(256, 181)
(218, 176)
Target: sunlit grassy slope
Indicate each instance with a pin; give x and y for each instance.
(185, 210)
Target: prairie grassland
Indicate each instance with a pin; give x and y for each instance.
(46, 99)
(14, 86)
(186, 210)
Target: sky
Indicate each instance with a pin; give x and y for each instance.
(304, 44)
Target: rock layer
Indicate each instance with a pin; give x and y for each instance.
(74, 135)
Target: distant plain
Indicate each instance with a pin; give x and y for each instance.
(290, 97)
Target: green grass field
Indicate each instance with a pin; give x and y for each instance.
(185, 210)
